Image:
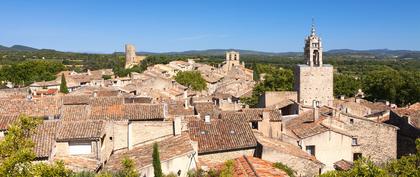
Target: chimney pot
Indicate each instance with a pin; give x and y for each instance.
(177, 126)
(207, 118)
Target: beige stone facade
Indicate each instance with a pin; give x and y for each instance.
(314, 80)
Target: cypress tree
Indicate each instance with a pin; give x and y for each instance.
(63, 85)
(156, 161)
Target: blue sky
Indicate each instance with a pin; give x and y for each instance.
(178, 25)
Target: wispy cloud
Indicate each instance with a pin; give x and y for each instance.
(201, 37)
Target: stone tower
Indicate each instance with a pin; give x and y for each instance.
(232, 59)
(314, 80)
(130, 55)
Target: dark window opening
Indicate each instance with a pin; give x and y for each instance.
(310, 150)
(254, 125)
(357, 156)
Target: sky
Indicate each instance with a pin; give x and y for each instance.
(104, 26)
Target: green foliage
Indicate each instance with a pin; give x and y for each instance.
(106, 77)
(16, 148)
(87, 174)
(276, 79)
(228, 169)
(361, 167)
(63, 85)
(406, 165)
(398, 87)
(346, 85)
(129, 169)
(171, 175)
(47, 170)
(201, 173)
(285, 168)
(27, 72)
(156, 161)
(191, 79)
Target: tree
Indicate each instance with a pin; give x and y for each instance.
(63, 85)
(156, 161)
(228, 169)
(406, 165)
(191, 79)
(16, 148)
(285, 168)
(47, 170)
(129, 169)
(346, 85)
(361, 167)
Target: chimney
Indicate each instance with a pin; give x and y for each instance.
(316, 111)
(165, 110)
(357, 100)
(207, 118)
(88, 72)
(94, 94)
(266, 115)
(342, 97)
(387, 103)
(177, 126)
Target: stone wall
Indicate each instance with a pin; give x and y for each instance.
(375, 140)
(182, 163)
(272, 98)
(303, 166)
(314, 83)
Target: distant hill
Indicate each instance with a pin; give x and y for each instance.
(18, 48)
(374, 53)
(213, 52)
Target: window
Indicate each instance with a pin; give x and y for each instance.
(254, 125)
(354, 142)
(357, 156)
(352, 121)
(80, 148)
(310, 150)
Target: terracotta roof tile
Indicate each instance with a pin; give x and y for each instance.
(75, 112)
(251, 114)
(6, 120)
(221, 135)
(142, 155)
(343, 165)
(80, 130)
(43, 138)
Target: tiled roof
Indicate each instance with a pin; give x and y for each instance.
(343, 165)
(6, 120)
(169, 148)
(43, 138)
(221, 135)
(80, 130)
(412, 111)
(178, 109)
(37, 107)
(75, 112)
(143, 112)
(138, 100)
(128, 112)
(207, 109)
(254, 167)
(251, 114)
(285, 148)
(75, 99)
(304, 125)
(79, 163)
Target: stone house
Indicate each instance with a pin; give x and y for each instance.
(91, 141)
(220, 140)
(330, 136)
(407, 119)
(177, 155)
(274, 150)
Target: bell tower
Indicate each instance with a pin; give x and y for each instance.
(313, 49)
(314, 79)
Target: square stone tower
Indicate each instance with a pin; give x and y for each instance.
(314, 80)
(232, 59)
